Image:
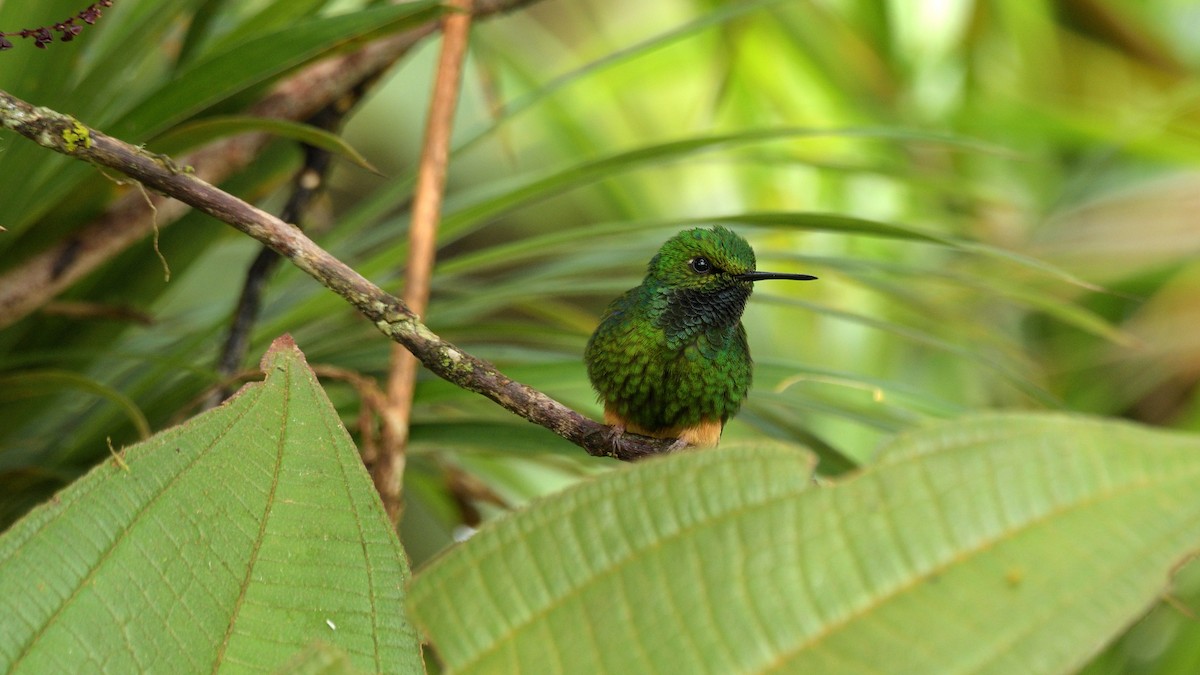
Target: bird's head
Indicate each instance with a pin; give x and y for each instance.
(708, 260)
(702, 277)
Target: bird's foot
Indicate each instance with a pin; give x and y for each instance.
(679, 444)
(618, 447)
(613, 438)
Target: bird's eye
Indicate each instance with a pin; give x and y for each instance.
(700, 265)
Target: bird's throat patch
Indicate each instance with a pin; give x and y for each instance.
(690, 310)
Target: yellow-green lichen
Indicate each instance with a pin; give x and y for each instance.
(77, 136)
(170, 165)
(454, 362)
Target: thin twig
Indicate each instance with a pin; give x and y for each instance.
(307, 183)
(372, 405)
(388, 470)
(67, 135)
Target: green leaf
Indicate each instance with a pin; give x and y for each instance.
(995, 544)
(256, 61)
(232, 541)
(15, 386)
(211, 128)
(832, 222)
(489, 203)
(509, 438)
(274, 15)
(319, 658)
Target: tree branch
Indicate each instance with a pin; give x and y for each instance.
(67, 135)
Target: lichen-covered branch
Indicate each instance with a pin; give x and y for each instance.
(67, 135)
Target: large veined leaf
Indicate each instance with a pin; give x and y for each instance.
(232, 542)
(999, 543)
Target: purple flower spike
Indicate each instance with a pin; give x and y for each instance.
(67, 30)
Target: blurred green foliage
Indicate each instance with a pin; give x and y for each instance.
(997, 196)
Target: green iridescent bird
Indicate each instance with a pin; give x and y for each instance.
(670, 358)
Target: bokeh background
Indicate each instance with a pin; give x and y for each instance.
(1000, 199)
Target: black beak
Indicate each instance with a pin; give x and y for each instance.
(760, 276)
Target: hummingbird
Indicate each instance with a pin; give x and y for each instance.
(669, 358)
